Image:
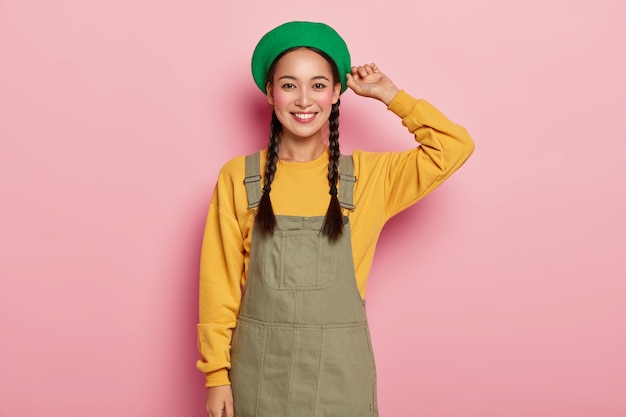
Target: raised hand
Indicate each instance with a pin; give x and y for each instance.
(368, 81)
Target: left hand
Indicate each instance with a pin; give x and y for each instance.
(368, 81)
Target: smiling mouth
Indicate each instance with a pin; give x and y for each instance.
(304, 116)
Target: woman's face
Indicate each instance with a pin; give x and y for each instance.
(302, 92)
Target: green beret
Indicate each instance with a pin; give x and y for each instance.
(294, 34)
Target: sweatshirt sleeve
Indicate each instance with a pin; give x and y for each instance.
(221, 271)
(412, 174)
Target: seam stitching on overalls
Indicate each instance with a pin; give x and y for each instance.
(260, 384)
(319, 374)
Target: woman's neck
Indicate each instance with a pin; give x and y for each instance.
(301, 151)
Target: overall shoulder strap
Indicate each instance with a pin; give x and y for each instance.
(346, 182)
(253, 179)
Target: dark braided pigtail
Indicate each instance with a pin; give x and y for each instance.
(265, 214)
(333, 223)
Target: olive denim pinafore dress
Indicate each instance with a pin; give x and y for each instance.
(301, 347)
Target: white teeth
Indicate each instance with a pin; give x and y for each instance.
(304, 116)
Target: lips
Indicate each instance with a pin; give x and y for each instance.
(304, 117)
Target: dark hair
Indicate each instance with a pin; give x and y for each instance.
(333, 222)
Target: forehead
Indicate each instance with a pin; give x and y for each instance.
(303, 63)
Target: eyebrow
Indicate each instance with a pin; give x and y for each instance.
(291, 77)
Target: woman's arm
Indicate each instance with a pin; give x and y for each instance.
(404, 178)
(221, 273)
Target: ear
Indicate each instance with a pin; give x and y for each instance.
(269, 94)
(336, 93)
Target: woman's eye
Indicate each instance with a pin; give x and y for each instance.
(288, 86)
(318, 86)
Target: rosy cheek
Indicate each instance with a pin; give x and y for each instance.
(326, 98)
(280, 98)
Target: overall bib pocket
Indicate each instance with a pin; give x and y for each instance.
(298, 260)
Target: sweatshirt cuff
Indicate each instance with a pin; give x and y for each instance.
(402, 104)
(217, 378)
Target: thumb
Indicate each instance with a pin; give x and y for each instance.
(350, 81)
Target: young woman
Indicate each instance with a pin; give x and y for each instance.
(291, 233)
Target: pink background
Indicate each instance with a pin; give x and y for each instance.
(501, 294)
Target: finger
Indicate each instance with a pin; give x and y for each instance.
(215, 412)
(228, 408)
(350, 81)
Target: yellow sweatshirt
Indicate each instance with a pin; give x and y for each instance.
(387, 183)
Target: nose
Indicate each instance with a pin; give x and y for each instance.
(304, 99)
